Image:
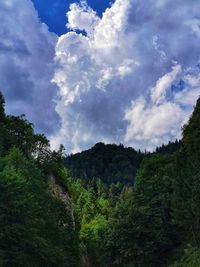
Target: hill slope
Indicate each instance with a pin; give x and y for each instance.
(111, 163)
(48, 218)
(36, 227)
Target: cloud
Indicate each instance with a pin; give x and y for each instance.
(120, 79)
(131, 76)
(27, 51)
(157, 119)
(158, 93)
(151, 126)
(82, 17)
(86, 66)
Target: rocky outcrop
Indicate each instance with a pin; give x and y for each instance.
(58, 191)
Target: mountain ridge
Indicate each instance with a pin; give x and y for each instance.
(112, 163)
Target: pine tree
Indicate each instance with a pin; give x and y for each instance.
(2, 107)
(187, 180)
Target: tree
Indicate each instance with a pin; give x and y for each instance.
(141, 231)
(2, 107)
(187, 180)
(35, 229)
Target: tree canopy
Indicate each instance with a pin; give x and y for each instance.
(111, 207)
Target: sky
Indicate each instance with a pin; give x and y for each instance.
(101, 71)
(53, 12)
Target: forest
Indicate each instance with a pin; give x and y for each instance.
(109, 206)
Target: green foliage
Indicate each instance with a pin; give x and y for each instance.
(2, 107)
(91, 208)
(129, 209)
(35, 227)
(141, 230)
(111, 163)
(191, 259)
(187, 182)
(170, 148)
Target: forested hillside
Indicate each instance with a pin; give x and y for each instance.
(111, 163)
(114, 207)
(36, 229)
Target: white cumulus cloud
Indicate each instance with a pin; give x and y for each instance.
(131, 76)
(82, 17)
(119, 76)
(133, 52)
(87, 65)
(158, 119)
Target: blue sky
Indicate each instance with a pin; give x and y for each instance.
(53, 12)
(133, 77)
